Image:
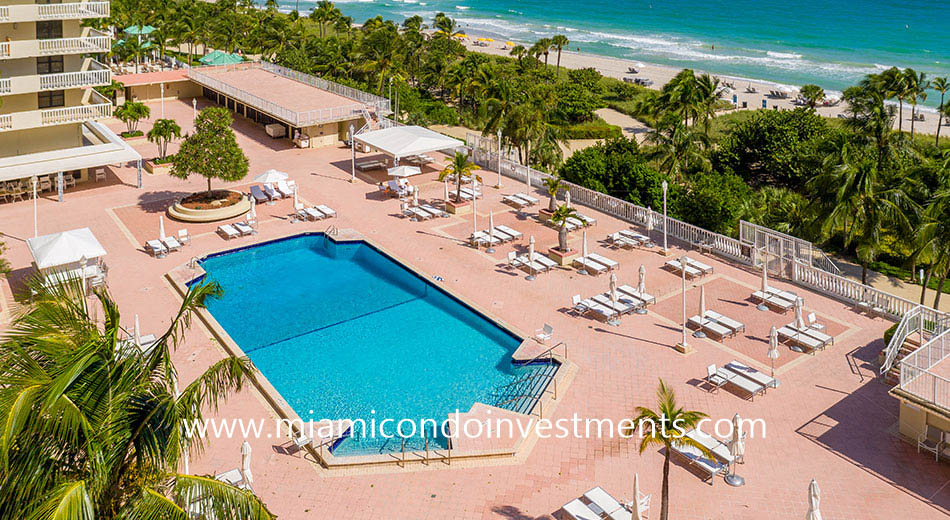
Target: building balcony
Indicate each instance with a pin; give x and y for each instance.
(91, 42)
(94, 106)
(93, 74)
(68, 11)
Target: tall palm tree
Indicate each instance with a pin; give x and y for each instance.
(893, 82)
(559, 41)
(93, 426)
(676, 147)
(544, 45)
(917, 86)
(324, 13)
(552, 184)
(460, 167)
(665, 427)
(518, 51)
(941, 85)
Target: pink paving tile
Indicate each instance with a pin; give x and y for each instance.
(830, 418)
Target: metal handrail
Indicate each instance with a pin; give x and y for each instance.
(548, 351)
(526, 378)
(535, 398)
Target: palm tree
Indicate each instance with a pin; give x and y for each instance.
(460, 167)
(552, 184)
(324, 13)
(813, 94)
(941, 85)
(518, 51)
(676, 146)
(162, 133)
(94, 425)
(666, 427)
(917, 86)
(559, 41)
(894, 83)
(560, 217)
(130, 113)
(544, 45)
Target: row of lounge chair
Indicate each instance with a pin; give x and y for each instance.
(537, 264)
(718, 464)
(630, 300)
(467, 193)
(627, 239)
(500, 234)
(313, 213)
(268, 192)
(776, 299)
(159, 248)
(737, 375)
(597, 504)
(806, 337)
(596, 264)
(717, 325)
(693, 268)
(421, 212)
(236, 229)
(520, 200)
(576, 222)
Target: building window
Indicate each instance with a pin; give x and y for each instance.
(49, 64)
(49, 29)
(51, 99)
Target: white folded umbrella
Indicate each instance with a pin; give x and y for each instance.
(161, 227)
(642, 284)
(799, 318)
(271, 176)
(584, 245)
(814, 500)
(246, 462)
(404, 171)
(567, 198)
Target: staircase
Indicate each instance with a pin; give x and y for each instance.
(521, 395)
(893, 375)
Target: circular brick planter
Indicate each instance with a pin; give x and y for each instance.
(179, 212)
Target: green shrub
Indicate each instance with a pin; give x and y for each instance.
(889, 333)
(596, 129)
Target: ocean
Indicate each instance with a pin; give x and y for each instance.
(832, 44)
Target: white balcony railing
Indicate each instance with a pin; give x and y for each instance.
(100, 108)
(6, 122)
(6, 86)
(5, 49)
(72, 10)
(95, 41)
(98, 74)
(4, 13)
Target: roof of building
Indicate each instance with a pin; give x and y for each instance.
(151, 78)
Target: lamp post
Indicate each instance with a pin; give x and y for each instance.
(665, 250)
(683, 346)
(498, 184)
(194, 109)
(35, 228)
(352, 155)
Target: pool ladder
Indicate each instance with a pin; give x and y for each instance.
(427, 454)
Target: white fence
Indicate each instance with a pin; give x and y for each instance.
(918, 376)
(98, 75)
(73, 10)
(95, 42)
(925, 321)
(784, 249)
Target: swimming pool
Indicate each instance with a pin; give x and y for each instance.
(342, 331)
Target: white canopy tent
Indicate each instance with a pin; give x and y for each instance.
(64, 249)
(405, 141)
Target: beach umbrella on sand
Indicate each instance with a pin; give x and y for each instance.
(567, 198)
(137, 332)
(531, 256)
(773, 347)
(814, 499)
(702, 313)
(736, 449)
(246, 463)
(161, 227)
(799, 319)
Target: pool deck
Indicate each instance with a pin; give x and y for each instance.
(830, 418)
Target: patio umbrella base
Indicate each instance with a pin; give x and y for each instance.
(735, 480)
(490, 250)
(613, 322)
(641, 311)
(530, 278)
(582, 271)
(796, 348)
(699, 334)
(775, 384)
(762, 307)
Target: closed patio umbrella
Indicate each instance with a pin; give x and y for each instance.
(252, 215)
(246, 463)
(415, 195)
(491, 232)
(567, 198)
(584, 244)
(637, 495)
(736, 450)
(474, 216)
(161, 227)
(446, 197)
(296, 200)
(702, 313)
(614, 297)
(649, 221)
(642, 283)
(814, 500)
(773, 347)
(799, 313)
(531, 257)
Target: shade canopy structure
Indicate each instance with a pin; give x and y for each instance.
(405, 141)
(145, 44)
(65, 248)
(217, 57)
(404, 171)
(139, 30)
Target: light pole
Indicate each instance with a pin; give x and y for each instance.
(352, 155)
(665, 250)
(498, 184)
(35, 227)
(683, 346)
(194, 109)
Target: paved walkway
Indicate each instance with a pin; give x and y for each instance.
(829, 419)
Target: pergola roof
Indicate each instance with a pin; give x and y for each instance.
(403, 141)
(217, 57)
(64, 248)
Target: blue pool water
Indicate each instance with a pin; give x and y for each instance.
(344, 332)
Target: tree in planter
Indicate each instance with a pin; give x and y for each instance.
(162, 133)
(560, 216)
(666, 426)
(460, 167)
(130, 113)
(553, 184)
(211, 151)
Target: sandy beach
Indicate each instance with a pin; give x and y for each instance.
(660, 75)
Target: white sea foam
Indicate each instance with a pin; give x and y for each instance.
(462, 7)
(783, 55)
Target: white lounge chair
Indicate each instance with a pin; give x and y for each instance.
(271, 192)
(259, 194)
(300, 212)
(237, 478)
(578, 510)
(156, 248)
(528, 198)
(710, 326)
(243, 228)
(773, 301)
(515, 234)
(697, 459)
(729, 323)
(691, 271)
(785, 295)
(589, 265)
(825, 339)
(513, 260)
(644, 297)
(516, 201)
(714, 445)
(606, 262)
(578, 305)
(228, 231)
(434, 211)
(184, 237)
(602, 502)
(544, 333)
(588, 221)
(814, 323)
(799, 338)
(326, 210)
(618, 240)
(284, 189)
(719, 377)
(706, 269)
(314, 214)
(623, 306)
(751, 373)
(171, 243)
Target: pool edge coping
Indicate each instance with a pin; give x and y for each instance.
(181, 275)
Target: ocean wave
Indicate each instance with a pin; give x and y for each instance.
(783, 55)
(462, 7)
